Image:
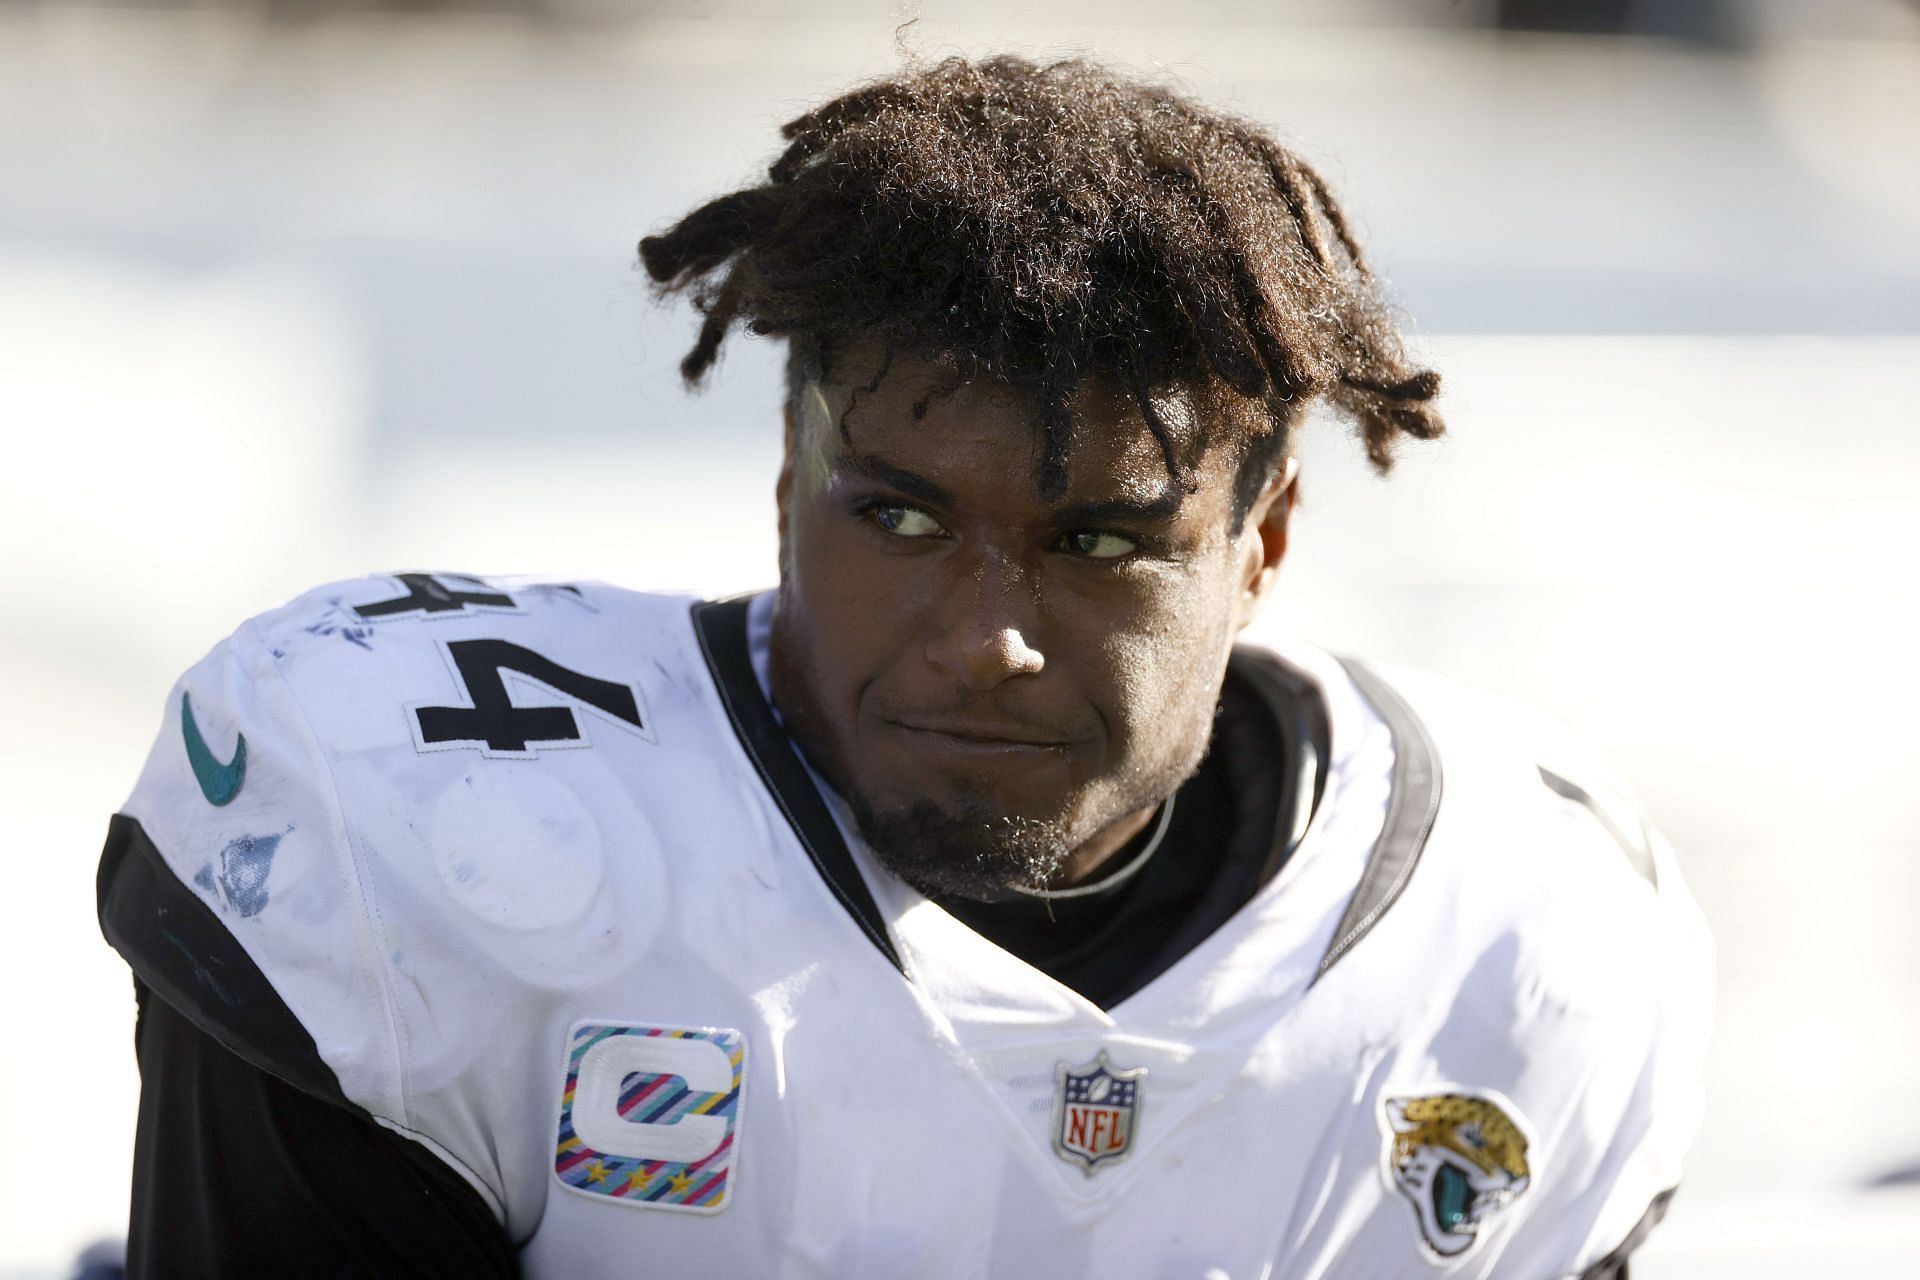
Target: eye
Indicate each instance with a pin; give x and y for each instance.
(1095, 545)
(905, 522)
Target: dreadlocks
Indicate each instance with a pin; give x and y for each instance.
(1047, 225)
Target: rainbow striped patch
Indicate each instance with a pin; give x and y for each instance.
(651, 1115)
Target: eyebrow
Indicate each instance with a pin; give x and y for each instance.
(907, 482)
(1122, 510)
(1096, 511)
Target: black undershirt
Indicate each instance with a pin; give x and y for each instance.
(238, 1173)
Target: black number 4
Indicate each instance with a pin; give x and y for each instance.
(498, 727)
(429, 594)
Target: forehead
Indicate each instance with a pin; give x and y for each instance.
(977, 433)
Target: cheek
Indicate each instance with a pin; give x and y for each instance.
(841, 597)
(1164, 661)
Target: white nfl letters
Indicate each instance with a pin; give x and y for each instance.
(652, 999)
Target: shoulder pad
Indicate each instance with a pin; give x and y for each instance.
(1543, 775)
(1559, 924)
(290, 846)
(1539, 843)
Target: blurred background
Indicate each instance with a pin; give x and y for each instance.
(293, 291)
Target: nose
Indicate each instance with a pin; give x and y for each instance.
(987, 635)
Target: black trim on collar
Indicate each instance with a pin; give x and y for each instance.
(1299, 713)
(1412, 804)
(721, 627)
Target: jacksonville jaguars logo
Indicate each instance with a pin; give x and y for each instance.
(1459, 1158)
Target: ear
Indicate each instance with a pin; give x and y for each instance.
(783, 487)
(1265, 536)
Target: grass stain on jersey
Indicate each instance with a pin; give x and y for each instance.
(219, 783)
(244, 866)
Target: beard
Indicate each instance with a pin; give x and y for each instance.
(962, 848)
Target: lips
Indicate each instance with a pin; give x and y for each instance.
(966, 734)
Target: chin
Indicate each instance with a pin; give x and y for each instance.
(964, 847)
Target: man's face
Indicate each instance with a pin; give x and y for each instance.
(1002, 685)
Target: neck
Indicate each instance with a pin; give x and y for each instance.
(1097, 856)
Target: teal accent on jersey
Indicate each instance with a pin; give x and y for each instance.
(1451, 1196)
(219, 783)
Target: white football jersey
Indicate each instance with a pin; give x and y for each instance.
(535, 870)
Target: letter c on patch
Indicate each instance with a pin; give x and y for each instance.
(650, 1115)
(702, 1064)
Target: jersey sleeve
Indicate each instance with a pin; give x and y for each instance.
(230, 886)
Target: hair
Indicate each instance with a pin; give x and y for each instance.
(1047, 225)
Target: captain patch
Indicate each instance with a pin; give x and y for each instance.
(650, 1115)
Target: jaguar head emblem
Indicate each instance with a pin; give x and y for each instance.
(1459, 1159)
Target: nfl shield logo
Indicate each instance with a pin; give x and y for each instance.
(1095, 1112)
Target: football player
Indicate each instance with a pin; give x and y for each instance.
(970, 904)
